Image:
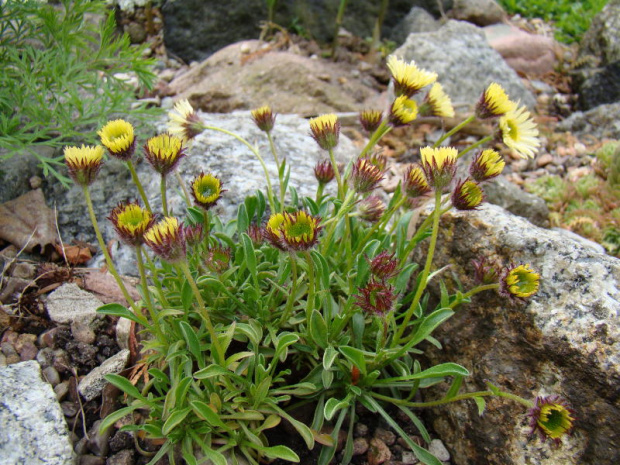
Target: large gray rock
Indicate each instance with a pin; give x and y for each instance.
(501, 192)
(479, 12)
(465, 63)
(601, 122)
(32, 426)
(565, 340)
(597, 78)
(417, 20)
(212, 151)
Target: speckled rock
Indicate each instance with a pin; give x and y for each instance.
(93, 383)
(479, 12)
(69, 303)
(32, 428)
(601, 122)
(565, 340)
(464, 61)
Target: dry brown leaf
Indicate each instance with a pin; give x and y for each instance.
(74, 254)
(25, 215)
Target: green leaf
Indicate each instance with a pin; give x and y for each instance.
(481, 403)
(117, 415)
(438, 371)
(402, 279)
(418, 423)
(327, 376)
(318, 329)
(196, 215)
(174, 420)
(204, 412)
(187, 296)
(429, 324)
(333, 405)
(454, 387)
(192, 341)
(243, 220)
(329, 356)
(124, 385)
(278, 452)
(356, 356)
(362, 263)
(119, 310)
(250, 254)
(322, 268)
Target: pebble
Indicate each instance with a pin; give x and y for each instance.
(28, 351)
(3, 362)
(98, 442)
(24, 339)
(8, 349)
(379, 452)
(51, 375)
(82, 331)
(92, 384)
(11, 359)
(124, 457)
(69, 408)
(544, 160)
(121, 440)
(409, 458)
(91, 460)
(361, 430)
(388, 437)
(45, 357)
(61, 361)
(61, 390)
(438, 449)
(360, 446)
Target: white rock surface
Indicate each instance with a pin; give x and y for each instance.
(32, 427)
(93, 383)
(69, 304)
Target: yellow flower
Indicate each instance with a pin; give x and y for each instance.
(403, 111)
(206, 190)
(131, 222)
(414, 182)
(493, 102)
(439, 165)
(486, 165)
(408, 78)
(118, 137)
(293, 231)
(519, 132)
(467, 195)
(365, 175)
(164, 152)
(520, 281)
(184, 122)
(264, 118)
(83, 163)
(439, 102)
(370, 120)
(325, 130)
(551, 418)
(166, 239)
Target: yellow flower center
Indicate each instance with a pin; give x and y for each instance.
(555, 420)
(299, 227)
(133, 218)
(523, 281)
(117, 135)
(84, 156)
(323, 122)
(166, 228)
(438, 157)
(207, 189)
(164, 147)
(274, 223)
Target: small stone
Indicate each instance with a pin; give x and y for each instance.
(124, 457)
(3, 362)
(28, 352)
(51, 375)
(11, 359)
(544, 160)
(35, 182)
(91, 460)
(61, 390)
(360, 446)
(388, 437)
(24, 339)
(69, 303)
(81, 447)
(45, 357)
(92, 384)
(123, 328)
(61, 361)
(360, 430)
(82, 331)
(438, 449)
(98, 442)
(121, 440)
(8, 349)
(378, 452)
(69, 408)
(409, 458)
(136, 32)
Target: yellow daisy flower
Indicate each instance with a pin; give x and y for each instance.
(408, 78)
(519, 132)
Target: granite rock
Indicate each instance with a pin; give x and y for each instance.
(32, 427)
(601, 122)
(465, 63)
(417, 20)
(479, 12)
(69, 304)
(93, 383)
(564, 340)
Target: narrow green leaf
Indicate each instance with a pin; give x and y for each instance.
(328, 377)
(418, 424)
(318, 329)
(333, 405)
(429, 324)
(362, 263)
(278, 452)
(205, 412)
(187, 296)
(115, 416)
(243, 220)
(250, 254)
(124, 385)
(481, 403)
(119, 310)
(454, 387)
(174, 420)
(329, 356)
(192, 340)
(356, 356)
(402, 280)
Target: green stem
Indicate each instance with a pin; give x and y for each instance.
(147, 295)
(136, 181)
(319, 192)
(203, 310)
(106, 254)
(376, 136)
(454, 130)
(311, 284)
(164, 199)
(188, 202)
(425, 272)
(419, 232)
(258, 156)
(482, 141)
(332, 158)
(333, 222)
(382, 223)
(291, 297)
(272, 147)
(474, 291)
(468, 395)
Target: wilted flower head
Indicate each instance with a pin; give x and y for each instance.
(379, 160)
(371, 120)
(218, 258)
(184, 121)
(408, 78)
(414, 182)
(484, 272)
(166, 239)
(519, 281)
(164, 152)
(376, 297)
(255, 233)
(194, 234)
(117, 136)
(551, 418)
(264, 118)
(383, 266)
(403, 111)
(325, 130)
(84, 163)
(324, 172)
(371, 208)
(486, 165)
(439, 165)
(365, 176)
(293, 231)
(467, 195)
(519, 132)
(131, 222)
(437, 103)
(206, 190)
(493, 102)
